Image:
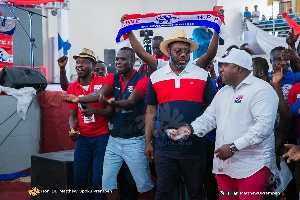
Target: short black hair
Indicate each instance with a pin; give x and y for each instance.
(261, 64)
(129, 49)
(279, 48)
(158, 37)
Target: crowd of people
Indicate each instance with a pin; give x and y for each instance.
(206, 136)
(252, 17)
(280, 24)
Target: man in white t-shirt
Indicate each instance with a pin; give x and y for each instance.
(255, 15)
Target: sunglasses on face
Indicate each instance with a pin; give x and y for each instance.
(180, 51)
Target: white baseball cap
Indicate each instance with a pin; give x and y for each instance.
(238, 57)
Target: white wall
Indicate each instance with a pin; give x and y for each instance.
(94, 23)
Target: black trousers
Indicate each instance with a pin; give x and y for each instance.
(192, 167)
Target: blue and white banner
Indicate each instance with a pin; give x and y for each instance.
(170, 19)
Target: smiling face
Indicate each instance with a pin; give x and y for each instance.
(124, 61)
(84, 67)
(179, 54)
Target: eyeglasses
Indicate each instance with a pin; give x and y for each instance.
(180, 51)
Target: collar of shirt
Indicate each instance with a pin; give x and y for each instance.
(246, 81)
(121, 76)
(77, 84)
(122, 81)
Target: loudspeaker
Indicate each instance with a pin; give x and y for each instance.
(109, 59)
(53, 175)
(23, 77)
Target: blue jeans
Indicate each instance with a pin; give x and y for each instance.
(89, 154)
(130, 150)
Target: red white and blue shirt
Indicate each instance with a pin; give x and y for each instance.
(97, 126)
(180, 100)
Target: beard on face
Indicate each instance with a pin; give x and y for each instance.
(177, 64)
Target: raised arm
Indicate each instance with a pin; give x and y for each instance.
(285, 126)
(139, 49)
(292, 38)
(206, 58)
(290, 54)
(63, 80)
(141, 52)
(283, 108)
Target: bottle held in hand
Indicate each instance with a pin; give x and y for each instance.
(182, 135)
(177, 136)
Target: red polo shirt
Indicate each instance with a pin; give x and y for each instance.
(92, 129)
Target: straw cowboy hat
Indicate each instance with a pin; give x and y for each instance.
(178, 36)
(86, 53)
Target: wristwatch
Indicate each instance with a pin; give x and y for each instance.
(233, 148)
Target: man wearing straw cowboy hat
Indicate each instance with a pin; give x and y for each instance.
(179, 89)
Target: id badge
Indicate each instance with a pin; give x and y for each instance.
(89, 119)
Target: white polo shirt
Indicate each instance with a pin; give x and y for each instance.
(245, 116)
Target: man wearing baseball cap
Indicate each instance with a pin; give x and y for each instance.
(243, 113)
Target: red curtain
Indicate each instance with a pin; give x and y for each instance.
(32, 2)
